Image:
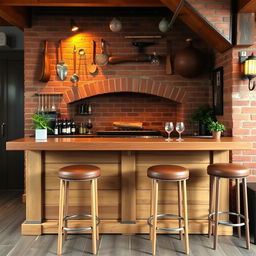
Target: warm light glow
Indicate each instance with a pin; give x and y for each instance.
(250, 66)
(73, 26)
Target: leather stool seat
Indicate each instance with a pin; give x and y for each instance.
(168, 172)
(227, 170)
(79, 172)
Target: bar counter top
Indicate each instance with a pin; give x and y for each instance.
(111, 144)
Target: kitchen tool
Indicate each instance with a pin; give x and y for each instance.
(62, 68)
(81, 53)
(45, 71)
(74, 78)
(53, 108)
(93, 67)
(168, 64)
(102, 58)
(39, 103)
(42, 107)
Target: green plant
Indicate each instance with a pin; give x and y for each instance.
(216, 127)
(203, 115)
(41, 121)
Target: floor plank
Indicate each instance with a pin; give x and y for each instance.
(12, 214)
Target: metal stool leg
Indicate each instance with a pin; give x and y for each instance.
(238, 206)
(61, 212)
(185, 214)
(151, 206)
(247, 232)
(96, 205)
(211, 202)
(216, 212)
(154, 216)
(66, 194)
(179, 205)
(93, 213)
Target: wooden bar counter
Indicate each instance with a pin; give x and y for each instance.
(124, 189)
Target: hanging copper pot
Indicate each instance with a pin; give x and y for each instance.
(188, 62)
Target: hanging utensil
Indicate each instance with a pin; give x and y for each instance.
(53, 108)
(62, 68)
(42, 107)
(74, 78)
(93, 67)
(102, 58)
(81, 53)
(45, 71)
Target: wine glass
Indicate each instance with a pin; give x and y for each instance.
(180, 127)
(169, 128)
(89, 126)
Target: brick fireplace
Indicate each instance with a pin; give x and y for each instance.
(170, 97)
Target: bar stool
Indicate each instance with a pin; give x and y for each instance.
(227, 171)
(78, 173)
(172, 173)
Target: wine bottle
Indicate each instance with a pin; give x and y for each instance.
(64, 127)
(56, 127)
(73, 127)
(68, 129)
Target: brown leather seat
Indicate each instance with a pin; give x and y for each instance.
(79, 172)
(228, 170)
(168, 172)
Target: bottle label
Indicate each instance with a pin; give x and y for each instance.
(68, 130)
(56, 131)
(64, 130)
(73, 130)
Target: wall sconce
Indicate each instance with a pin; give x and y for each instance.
(73, 26)
(248, 68)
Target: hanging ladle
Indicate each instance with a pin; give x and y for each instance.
(74, 78)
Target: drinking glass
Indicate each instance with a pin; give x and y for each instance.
(89, 126)
(180, 127)
(169, 128)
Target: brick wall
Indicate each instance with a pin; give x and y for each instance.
(217, 12)
(240, 107)
(55, 28)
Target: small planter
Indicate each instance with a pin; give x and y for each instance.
(41, 134)
(216, 135)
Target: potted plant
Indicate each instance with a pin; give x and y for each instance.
(203, 116)
(41, 125)
(216, 129)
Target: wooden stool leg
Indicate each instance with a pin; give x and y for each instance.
(211, 201)
(93, 213)
(97, 207)
(247, 232)
(185, 215)
(238, 206)
(216, 212)
(151, 206)
(179, 206)
(154, 216)
(61, 206)
(66, 189)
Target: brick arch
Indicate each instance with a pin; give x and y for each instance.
(116, 85)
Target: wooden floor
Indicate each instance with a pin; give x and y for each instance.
(12, 214)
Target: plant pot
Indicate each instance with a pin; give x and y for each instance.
(41, 134)
(216, 135)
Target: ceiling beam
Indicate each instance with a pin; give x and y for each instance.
(247, 6)
(84, 3)
(16, 16)
(199, 25)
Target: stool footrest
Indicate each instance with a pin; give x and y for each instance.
(79, 229)
(166, 215)
(227, 223)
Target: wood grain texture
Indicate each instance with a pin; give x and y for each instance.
(247, 6)
(84, 3)
(114, 144)
(34, 187)
(128, 187)
(199, 25)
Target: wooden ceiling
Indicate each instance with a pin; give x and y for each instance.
(16, 12)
